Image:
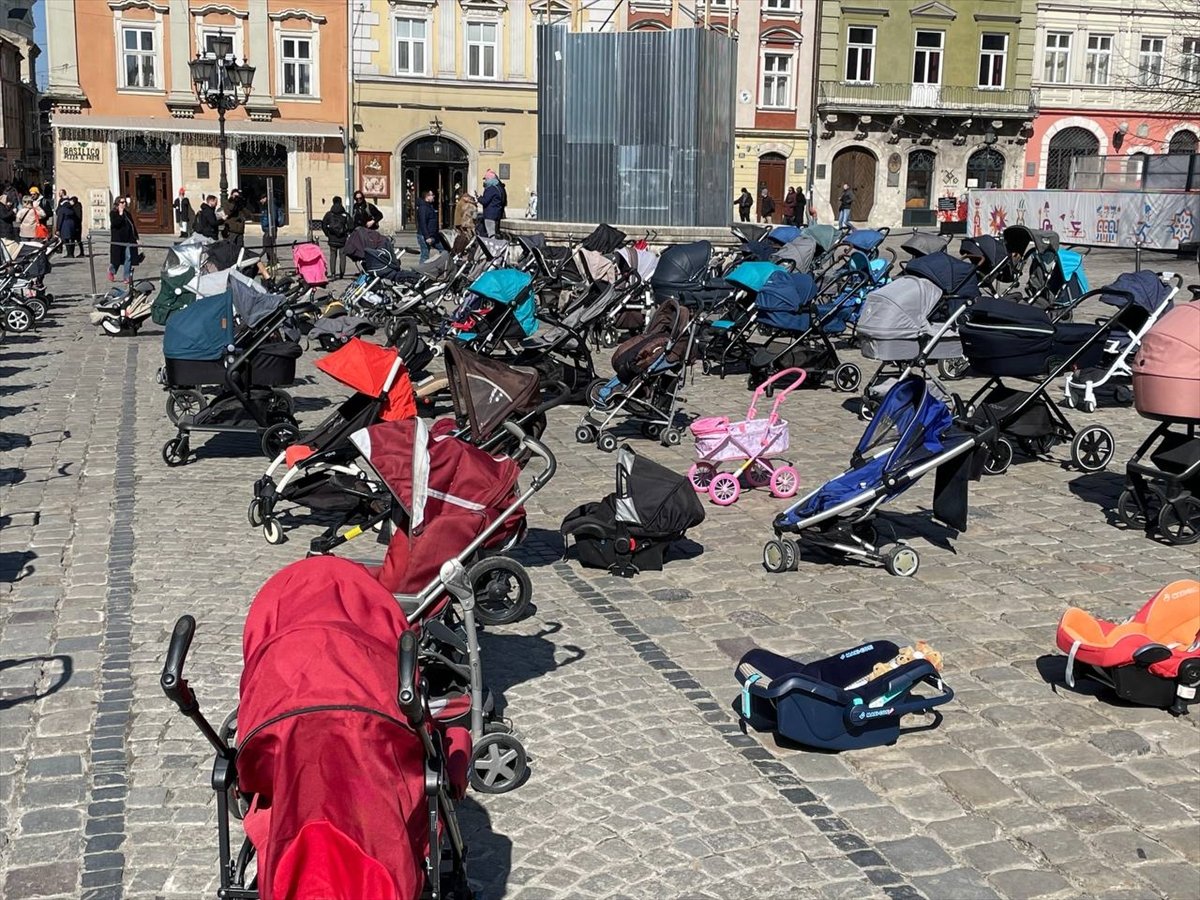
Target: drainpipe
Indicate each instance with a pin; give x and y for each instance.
(348, 131)
(814, 123)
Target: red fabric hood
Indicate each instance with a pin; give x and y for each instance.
(374, 371)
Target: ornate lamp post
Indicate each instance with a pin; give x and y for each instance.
(224, 84)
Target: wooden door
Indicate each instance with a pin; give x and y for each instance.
(772, 173)
(149, 187)
(856, 167)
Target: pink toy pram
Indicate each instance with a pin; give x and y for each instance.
(310, 264)
(754, 442)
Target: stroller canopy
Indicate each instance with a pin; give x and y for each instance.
(486, 391)
(189, 253)
(910, 420)
(783, 234)
(379, 259)
(985, 247)
(174, 293)
(493, 247)
(753, 275)
(1166, 367)
(899, 310)
(866, 239)
(202, 331)
(825, 235)
(644, 261)
(604, 239)
(749, 232)
(784, 298)
(1018, 239)
(374, 371)
(251, 302)
(338, 771)
(362, 239)
(510, 287)
(1070, 265)
(799, 252)
(922, 243)
(683, 265)
(952, 276)
(651, 499)
(759, 250)
(599, 266)
(1146, 289)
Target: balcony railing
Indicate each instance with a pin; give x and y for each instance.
(925, 96)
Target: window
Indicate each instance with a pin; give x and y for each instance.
(927, 60)
(138, 49)
(491, 140)
(985, 169)
(993, 56)
(1058, 58)
(1189, 62)
(1183, 142)
(778, 5)
(218, 43)
(297, 66)
(1066, 147)
(860, 54)
(918, 191)
(1099, 58)
(410, 46)
(482, 49)
(1150, 62)
(777, 80)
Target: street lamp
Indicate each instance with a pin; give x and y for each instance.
(224, 84)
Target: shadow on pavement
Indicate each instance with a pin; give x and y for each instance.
(68, 668)
(513, 659)
(15, 565)
(489, 853)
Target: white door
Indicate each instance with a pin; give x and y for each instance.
(927, 69)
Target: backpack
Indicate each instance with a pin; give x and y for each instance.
(335, 226)
(503, 195)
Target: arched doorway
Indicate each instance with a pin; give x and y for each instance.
(985, 169)
(435, 164)
(854, 166)
(144, 174)
(1067, 146)
(772, 173)
(262, 170)
(1183, 142)
(918, 188)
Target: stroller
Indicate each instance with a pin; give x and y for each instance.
(911, 434)
(924, 243)
(498, 312)
(196, 345)
(1054, 279)
(726, 339)
(310, 265)
(1152, 296)
(1151, 659)
(753, 442)
(121, 313)
(650, 371)
(991, 260)
(683, 268)
(1162, 480)
(1002, 338)
(630, 530)
(319, 470)
(336, 760)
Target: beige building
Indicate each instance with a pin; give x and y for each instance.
(20, 133)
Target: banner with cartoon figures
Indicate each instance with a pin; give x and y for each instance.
(1092, 218)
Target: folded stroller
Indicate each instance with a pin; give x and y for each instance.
(631, 529)
(1002, 337)
(319, 470)
(1162, 480)
(1151, 659)
(910, 435)
(121, 313)
(1152, 296)
(345, 779)
(650, 372)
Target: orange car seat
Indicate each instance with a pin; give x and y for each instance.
(1152, 659)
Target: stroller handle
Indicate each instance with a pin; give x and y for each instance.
(538, 449)
(408, 694)
(173, 683)
(762, 389)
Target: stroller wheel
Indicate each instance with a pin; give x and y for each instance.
(175, 451)
(255, 513)
(585, 434)
(758, 475)
(952, 369)
(1128, 510)
(866, 410)
(502, 590)
(1123, 394)
(183, 403)
(701, 474)
(1089, 406)
(785, 481)
(999, 458)
(791, 554)
(847, 377)
(281, 403)
(1093, 448)
(774, 558)
(18, 318)
(902, 560)
(278, 438)
(1179, 520)
(671, 437)
(37, 307)
(498, 763)
(273, 531)
(606, 441)
(724, 489)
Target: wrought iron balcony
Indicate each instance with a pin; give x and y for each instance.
(912, 97)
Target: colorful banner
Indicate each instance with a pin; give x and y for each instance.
(1091, 218)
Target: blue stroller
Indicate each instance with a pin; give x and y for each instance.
(726, 337)
(498, 309)
(911, 434)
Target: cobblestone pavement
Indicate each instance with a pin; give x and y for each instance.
(641, 783)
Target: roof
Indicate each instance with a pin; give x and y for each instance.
(290, 127)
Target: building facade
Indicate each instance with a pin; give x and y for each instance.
(909, 149)
(20, 131)
(1116, 80)
(126, 121)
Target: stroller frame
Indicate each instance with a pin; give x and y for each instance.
(1155, 498)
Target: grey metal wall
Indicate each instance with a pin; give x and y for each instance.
(635, 128)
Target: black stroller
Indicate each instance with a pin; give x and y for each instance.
(990, 258)
(630, 530)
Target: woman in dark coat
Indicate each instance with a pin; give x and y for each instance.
(365, 213)
(336, 226)
(8, 218)
(123, 235)
(789, 207)
(67, 225)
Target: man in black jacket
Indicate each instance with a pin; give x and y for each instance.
(206, 219)
(427, 225)
(8, 218)
(844, 204)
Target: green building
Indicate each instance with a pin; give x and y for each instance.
(917, 101)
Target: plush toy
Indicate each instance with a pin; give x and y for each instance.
(906, 655)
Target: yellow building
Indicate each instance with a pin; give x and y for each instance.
(442, 93)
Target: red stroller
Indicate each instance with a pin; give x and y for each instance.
(347, 784)
(457, 509)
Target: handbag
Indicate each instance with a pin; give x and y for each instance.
(138, 257)
(41, 232)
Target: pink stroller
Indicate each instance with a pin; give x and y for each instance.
(754, 442)
(310, 264)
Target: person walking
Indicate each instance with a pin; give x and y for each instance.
(789, 207)
(743, 203)
(844, 204)
(493, 203)
(235, 218)
(365, 213)
(123, 239)
(427, 225)
(766, 207)
(207, 224)
(29, 218)
(801, 207)
(67, 225)
(8, 218)
(183, 213)
(336, 225)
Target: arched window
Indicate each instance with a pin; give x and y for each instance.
(491, 139)
(1183, 142)
(918, 190)
(985, 169)
(1065, 147)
